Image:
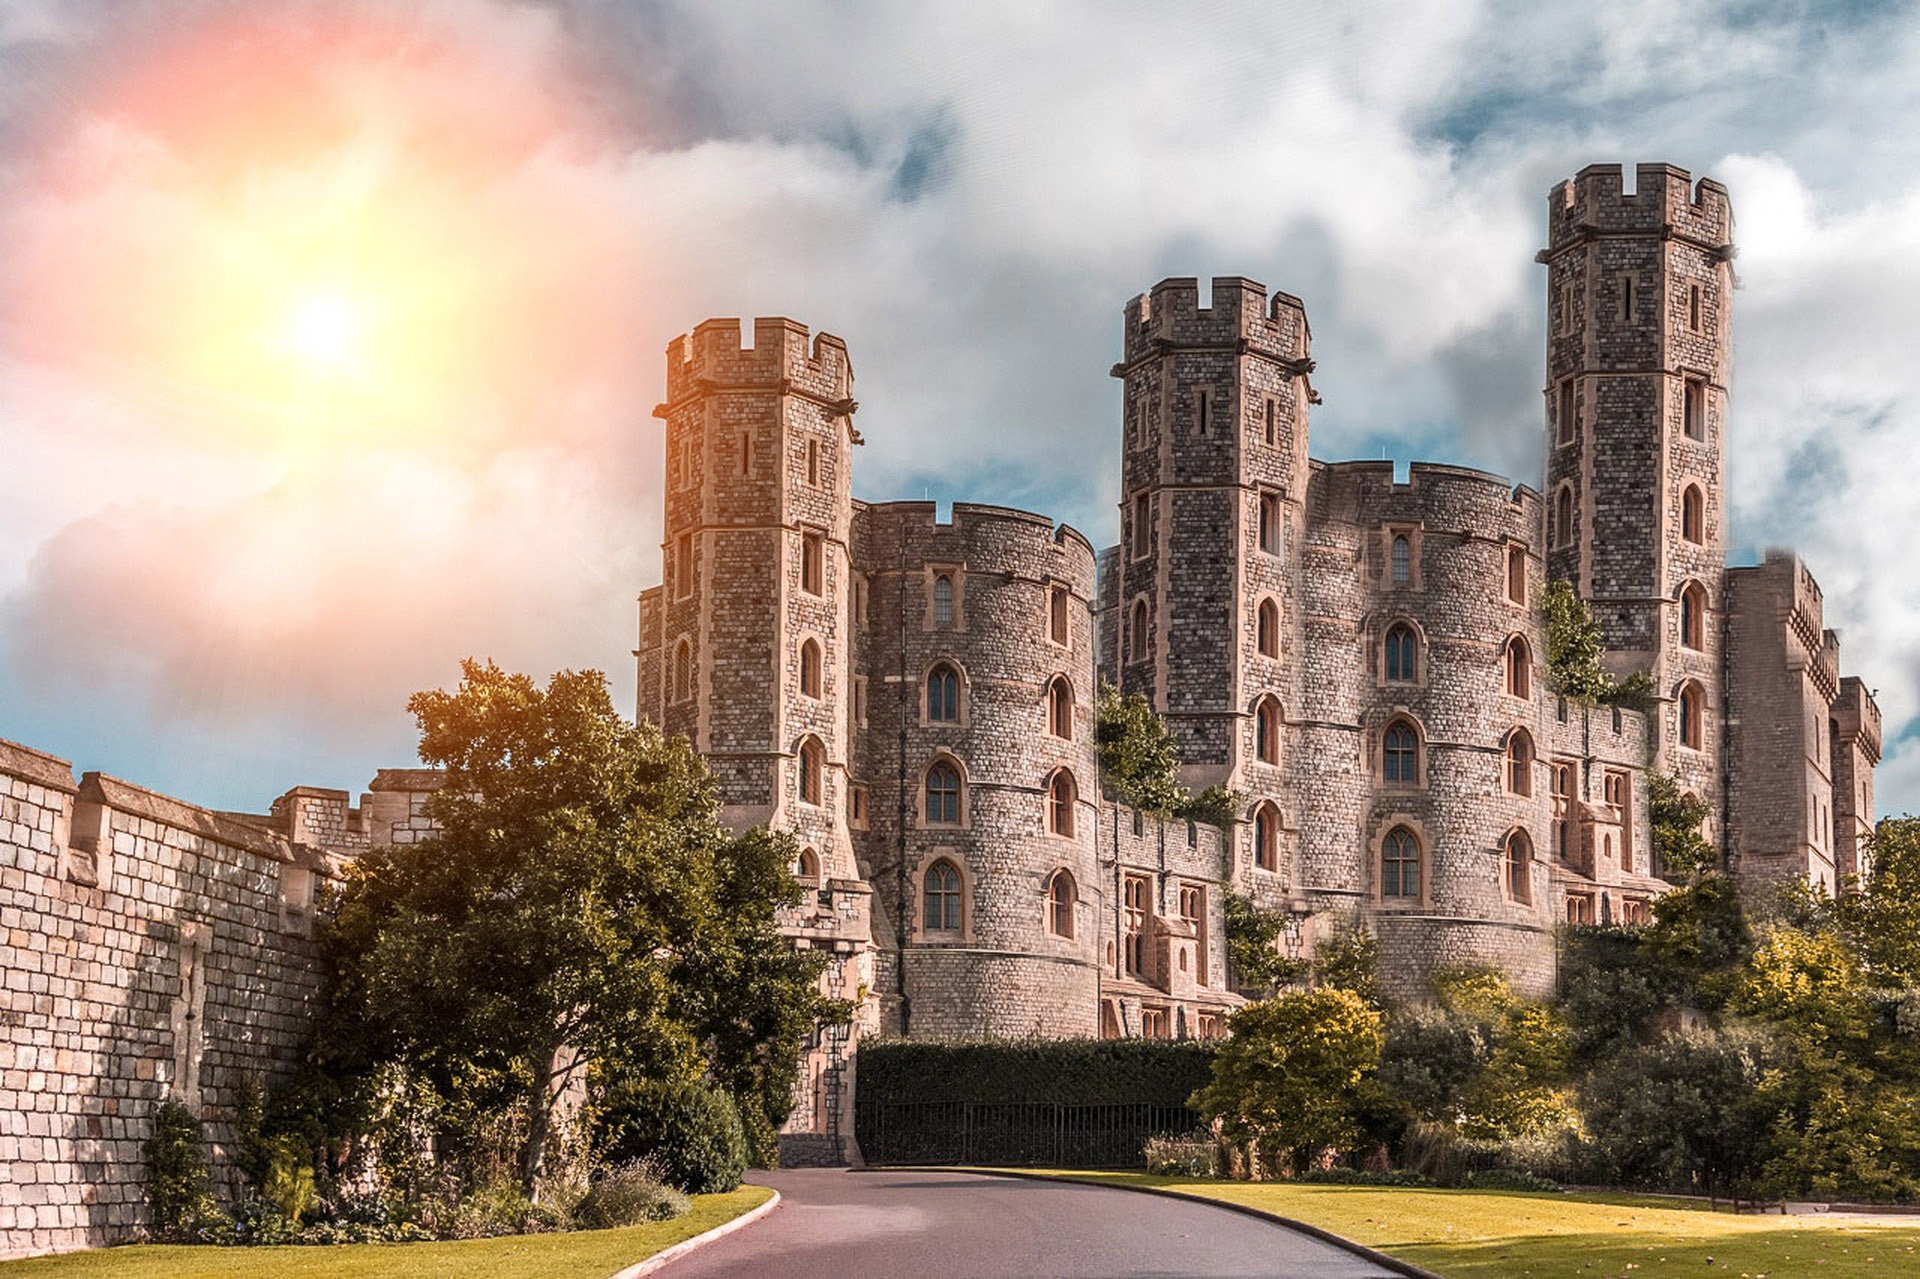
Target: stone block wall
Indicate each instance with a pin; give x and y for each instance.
(1782, 680)
(153, 949)
(1461, 529)
(1005, 569)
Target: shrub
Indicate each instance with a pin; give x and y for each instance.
(1507, 1179)
(1192, 1155)
(694, 1131)
(177, 1191)
(257, 1222)
(627, 1196)
(289, 1181)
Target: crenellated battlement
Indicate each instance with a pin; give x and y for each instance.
(1239, 314)
(1436, 494)
(1856, 716)
(1666, 201)
(783, 355)
(1002, 533)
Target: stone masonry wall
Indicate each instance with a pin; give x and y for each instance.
(1005, 568)
(153, 949)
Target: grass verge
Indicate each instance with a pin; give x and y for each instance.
(1484, 1234)
(588, 1254)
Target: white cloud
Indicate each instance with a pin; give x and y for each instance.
(967, 195)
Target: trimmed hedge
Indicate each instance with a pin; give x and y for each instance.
(1080, 1072)
(1087, 1103)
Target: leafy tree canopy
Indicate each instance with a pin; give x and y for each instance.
(1294, 1076)
(1680, 850)
(580, 908)
(1139, 758)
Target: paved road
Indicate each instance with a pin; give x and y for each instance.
(931, 1225)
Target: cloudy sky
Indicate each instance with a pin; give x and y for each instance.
(329, 333)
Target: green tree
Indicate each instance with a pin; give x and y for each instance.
(1680, 851)
(1574, 648)
(1139, 758)
(1253, 946)
(1349, 959)
(1699, 939)
(579, 907)
(1882, 918)
(1478, 1058)
(1293, 1078)
(1684, 1113)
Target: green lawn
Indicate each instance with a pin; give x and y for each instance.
(1479, 1234)
(589, 1254)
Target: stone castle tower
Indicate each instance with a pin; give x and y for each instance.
(1638, 304)
(745, 647)
(1359, 659)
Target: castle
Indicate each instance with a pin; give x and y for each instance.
(1360, 660)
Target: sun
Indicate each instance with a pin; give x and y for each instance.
(325, 330)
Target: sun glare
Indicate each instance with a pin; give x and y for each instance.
(324, 329)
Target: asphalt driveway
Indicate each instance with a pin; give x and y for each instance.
(837, 1224)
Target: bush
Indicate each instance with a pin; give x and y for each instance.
(1193, 1155)
(289, 1182)
(627, 1196)
(177, 1190)
(1508, 1179)
(694, 1132)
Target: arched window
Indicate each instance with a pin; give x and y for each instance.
(1267, 629)
(1517, 574)
(1400, 864)
(1520, 867)
(1060, 708)
(1403, 654)
(1266, 837)
(1402, 559)
(1062, 895)
(943, 794)
(1400, 755)
(1691, 715)
(1137, 645)
(1061, 795)
(807, 867)
(941, 893)
(1693, 515)
(682, 671)
(1266, 730)
(943, 695)
(1519, 768)
(813, 764)
(1519, 664)
(1693, 615)
(943, 600)
(810, 668)
(1563, 516)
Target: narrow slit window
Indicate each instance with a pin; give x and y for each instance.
(813, 556)
(1694, 409)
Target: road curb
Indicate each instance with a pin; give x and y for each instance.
(685, 1246)
(1394, 1264)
